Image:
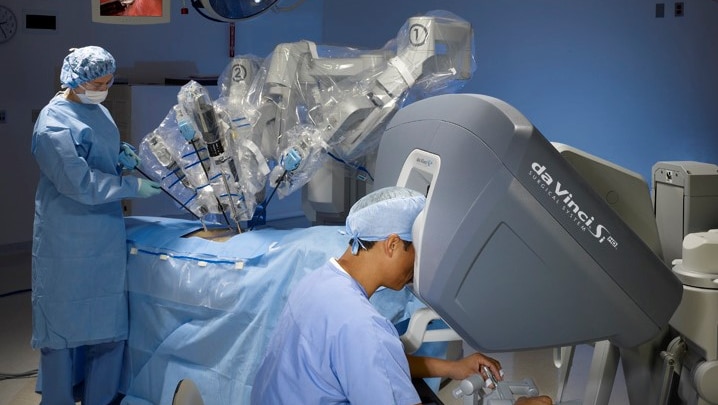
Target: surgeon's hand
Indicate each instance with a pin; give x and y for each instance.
(542, 400)
(148, 188)
(476, 364)
(128, 158)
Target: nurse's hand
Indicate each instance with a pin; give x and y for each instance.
(128, 158)
(148, 188)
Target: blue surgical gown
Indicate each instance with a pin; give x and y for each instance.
(79, 248)
(331, 346)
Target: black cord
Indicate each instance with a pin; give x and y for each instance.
(353, 166)
(15, 292)
(276, 186)
(26, 374)
(168, 193)
(268, 199)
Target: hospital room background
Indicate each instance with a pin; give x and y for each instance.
(631, 82)
(606, 77)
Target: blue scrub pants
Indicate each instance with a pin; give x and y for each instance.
(102, 371)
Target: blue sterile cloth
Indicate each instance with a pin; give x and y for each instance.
(205, 310)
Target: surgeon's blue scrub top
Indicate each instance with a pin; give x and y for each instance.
(331, 346)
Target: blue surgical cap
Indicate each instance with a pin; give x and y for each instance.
(384, 212)
(85, 64)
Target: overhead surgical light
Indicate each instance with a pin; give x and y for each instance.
(231, 10)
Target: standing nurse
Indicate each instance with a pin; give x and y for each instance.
(79, 303)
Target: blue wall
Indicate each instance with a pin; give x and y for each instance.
(603, 76)
(607, 77)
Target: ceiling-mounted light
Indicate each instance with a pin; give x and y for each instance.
(231, 10)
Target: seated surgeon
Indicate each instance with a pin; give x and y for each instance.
(331, 346)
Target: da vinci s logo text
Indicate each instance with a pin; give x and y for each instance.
(563, 197)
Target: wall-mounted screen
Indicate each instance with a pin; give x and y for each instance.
(131, 11)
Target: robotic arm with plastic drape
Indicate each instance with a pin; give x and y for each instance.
(281, 119)
(312, 107)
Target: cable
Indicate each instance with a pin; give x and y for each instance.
(359, 168)
(276, 185)
(168, 193)
(262, 209)
(15, 292)
(26, 374)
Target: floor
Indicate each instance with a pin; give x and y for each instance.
(17, 357)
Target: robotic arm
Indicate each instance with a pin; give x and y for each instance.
(347, 100)
(430, 46)
(308, 103)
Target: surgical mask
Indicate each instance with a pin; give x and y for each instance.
(92, 96)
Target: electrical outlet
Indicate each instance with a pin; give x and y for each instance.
(660, 10)
(679, 9)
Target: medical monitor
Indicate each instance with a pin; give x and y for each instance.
(514, 249)
(131, 12)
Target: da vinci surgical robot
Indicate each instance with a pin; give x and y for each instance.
(506, 214)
